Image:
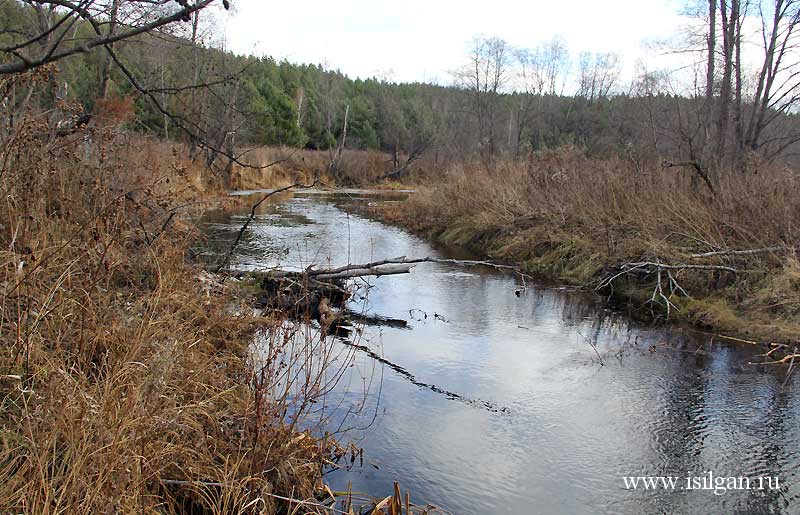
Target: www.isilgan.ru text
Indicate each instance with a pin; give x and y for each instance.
(719, 485)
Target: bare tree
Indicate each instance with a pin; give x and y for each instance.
(777, 90)
(105, 77)
(540, 71)
(729, 14)
(485, 77)
(598, 74)
(739, 109)
(544, 70)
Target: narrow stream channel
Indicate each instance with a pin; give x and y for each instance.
(495, 399)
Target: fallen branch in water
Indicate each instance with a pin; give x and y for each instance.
(368, 269)
(782, 361)
(661, 270)
(375, 271)
(655, 266)
(375, 320)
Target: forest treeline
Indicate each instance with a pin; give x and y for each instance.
(502, 102)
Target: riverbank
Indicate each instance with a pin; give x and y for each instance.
(127, 384)
(652, 239)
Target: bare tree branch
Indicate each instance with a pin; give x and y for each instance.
(75, 11)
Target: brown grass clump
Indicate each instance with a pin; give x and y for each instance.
(289, 166)
(125, 386)
(579, 219)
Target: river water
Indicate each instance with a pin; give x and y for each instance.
(509, 398)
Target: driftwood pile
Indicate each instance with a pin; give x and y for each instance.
(314, 292)
(321, 293)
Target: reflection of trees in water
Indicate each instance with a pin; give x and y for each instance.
(710, 423)
(701, 395)
(470, 306)
(319, 384)
(217, 237)
(779, 442)
(679, 433)
(219, 233)
(774, 440)
(577, 308)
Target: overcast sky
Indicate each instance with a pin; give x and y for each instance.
(423, 40)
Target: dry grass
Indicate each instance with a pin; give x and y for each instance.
(125, 386)
(577, 219)
(357, 168)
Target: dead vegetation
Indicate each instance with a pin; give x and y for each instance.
(292, 165)
(126, 386)
(650, 235)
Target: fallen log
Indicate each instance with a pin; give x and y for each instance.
(370, 269)
(375, 271)
(656, 265)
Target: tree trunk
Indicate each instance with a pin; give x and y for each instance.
(708, 106)
(193, 143)
(105, 77)
(737, 102)
(728, 43)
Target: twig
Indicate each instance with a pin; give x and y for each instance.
(698, 168)
(782, 361)
(791, 368)
(658, 291)
(253, 215)
(738, 252)
(679, 266)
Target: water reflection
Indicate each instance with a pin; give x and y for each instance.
(664, 402)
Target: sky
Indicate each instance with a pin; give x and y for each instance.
(424, 40)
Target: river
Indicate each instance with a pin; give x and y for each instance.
(503, 397)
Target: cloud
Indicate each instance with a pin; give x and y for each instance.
(422, 40)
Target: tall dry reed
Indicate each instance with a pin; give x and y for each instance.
(126, 384)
